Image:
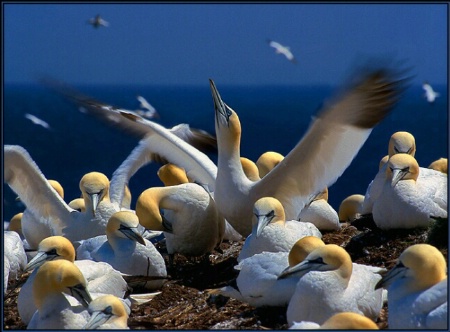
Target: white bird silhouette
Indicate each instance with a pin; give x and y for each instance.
(37, 121)
(151, 112)
(97, 21)
(430, 94)
(281, 49)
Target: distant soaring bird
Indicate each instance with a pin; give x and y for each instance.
(37, 121)
(150, 112)
(430, 94)
(280, 49)
(97, 21)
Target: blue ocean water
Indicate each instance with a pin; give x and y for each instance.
(272, 118)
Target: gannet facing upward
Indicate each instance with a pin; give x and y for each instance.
(101, 277)
(350, 208)
(191, 222)
(271, 231)
(430, 94)
(281, 49)
(107, 313)
(329, 283)
(257, 282)
(440, 165)
(320, 213)
(417, 289)
(14, 257)
(328, 147)
(54, 309)
(339, 321)
(408, 200)
(125, 250)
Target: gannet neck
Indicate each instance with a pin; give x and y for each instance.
(250, 169)
(15, 224)
(440, 165)
(56, 277)
(148, 209)
(351, 208)
(402, 167)
(57, 186)
(402, 142)
(267, 161)
(302, 248)
(349, 321)
(426, 264)
(172, 175)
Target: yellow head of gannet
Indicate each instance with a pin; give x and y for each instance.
(57, 186)
(123, 225)
(52, 248)
(15, 224)
(383, 161)
(78, 204)
(267, 210)
(330, 257)
(350, 208)
(349, 321)
(147, 210)
(108, 312)
(402, 142)
(250, 169)
(57, 277)
(420, 266)
(267, 161)
(440, 165)
(402, 167)
(94, 187)
(172, 175)
(302, 248)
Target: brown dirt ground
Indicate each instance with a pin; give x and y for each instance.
(184, 302)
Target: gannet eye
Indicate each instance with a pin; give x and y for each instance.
(318, 260)
(108, 310)
(52, 252)
(270, 215)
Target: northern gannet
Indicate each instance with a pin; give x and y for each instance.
(316, 161)
(43, 202)
(107, 313)
(53, 281)
(101, 277)
(97, 21)
(15, 224)
(440, 165)
(281, 49)
(329, 283)
(339, 321)
(190, 220)
(37, 121)
(320, 213)
(399, 142)
(417, 289)
(257, 282)
(250, 169)
(271, 231)
(407, 199)
(350, 208)
(267, 161)
(125, 250)
(430, 94)
(14, 257)
(77, 204)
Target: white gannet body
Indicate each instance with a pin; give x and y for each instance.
(101, 277)
(339, 321)
(399, 142)
(329, 283)
(190, 220)
(430, 94)
(330, 144)
(350, 208)
(14, 257)
(120, 249)
(107, 313)
(257, 282)
(408, 200)
(61, 297)
(271, 232)
(418, 289)
(321, 214)
(281, 49)
(43, 202)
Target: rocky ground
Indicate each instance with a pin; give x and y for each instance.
(184, 302)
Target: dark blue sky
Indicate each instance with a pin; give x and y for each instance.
(148, 43)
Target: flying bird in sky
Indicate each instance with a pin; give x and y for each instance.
(280, 49)
(430, 94)
(37, 121)
(97, 21)
(150, 112)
